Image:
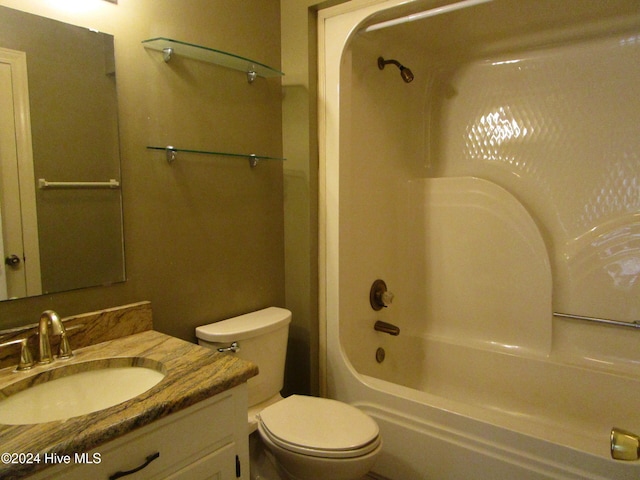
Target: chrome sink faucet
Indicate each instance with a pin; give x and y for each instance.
(49, 317)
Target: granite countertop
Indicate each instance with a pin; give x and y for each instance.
(193, 373)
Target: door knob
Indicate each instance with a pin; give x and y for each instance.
(12, 260)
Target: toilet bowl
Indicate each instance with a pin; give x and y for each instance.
(317, 438)
(307, 438)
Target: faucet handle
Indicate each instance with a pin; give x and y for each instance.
(64, 350)
(26, 358)
(387, 298)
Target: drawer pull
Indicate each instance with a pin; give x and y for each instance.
(148, 460)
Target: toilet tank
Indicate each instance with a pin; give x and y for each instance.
(262, 338)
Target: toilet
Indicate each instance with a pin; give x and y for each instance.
(302, 437)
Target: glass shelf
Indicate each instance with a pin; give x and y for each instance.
(171, 47)
(172, 153)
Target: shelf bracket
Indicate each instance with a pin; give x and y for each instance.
(251, 76)
(253, 160)
(171, 154)
(166, 54)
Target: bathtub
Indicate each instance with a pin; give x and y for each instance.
(498, 188)
(473, 413)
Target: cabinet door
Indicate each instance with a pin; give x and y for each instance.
(219, 465)
(209, 433)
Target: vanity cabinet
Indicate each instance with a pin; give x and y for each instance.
(207, 440)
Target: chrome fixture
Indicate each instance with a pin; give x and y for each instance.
(167, 53)
(379, 296)
(624, 445)
(171, 154)
(234, 347)
(385, 327)
(111, 183)
(405, 73)
(49, 317)
(426, 14)
(26, 359)
(605, 321)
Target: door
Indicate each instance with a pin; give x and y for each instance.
(20, 267)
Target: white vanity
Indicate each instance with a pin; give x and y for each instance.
(205, 441)
(191, 424)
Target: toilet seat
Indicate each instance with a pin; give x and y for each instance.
(319, 427)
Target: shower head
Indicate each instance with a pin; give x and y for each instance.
(405, 73)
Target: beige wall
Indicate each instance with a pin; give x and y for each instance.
(300, 182)
(204, 236)
(300, 146)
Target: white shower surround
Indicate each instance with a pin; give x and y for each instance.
(500, 401)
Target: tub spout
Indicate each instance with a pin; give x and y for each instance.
(385, 327)
(624, 445)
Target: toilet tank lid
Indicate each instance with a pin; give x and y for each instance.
(245, 326)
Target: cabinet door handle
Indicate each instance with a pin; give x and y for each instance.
(147, 461)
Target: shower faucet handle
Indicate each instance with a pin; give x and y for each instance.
(379, 296)
(387, 298)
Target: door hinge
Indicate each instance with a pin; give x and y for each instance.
(238, 469)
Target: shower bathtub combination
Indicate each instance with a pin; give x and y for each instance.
(482, 158)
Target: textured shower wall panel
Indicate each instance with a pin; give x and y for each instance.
(559, 128)
(488, 277)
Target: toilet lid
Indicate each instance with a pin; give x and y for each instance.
(319, 427)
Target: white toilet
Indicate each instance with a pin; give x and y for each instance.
(309, 438)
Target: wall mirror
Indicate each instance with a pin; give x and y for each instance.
(60, 197)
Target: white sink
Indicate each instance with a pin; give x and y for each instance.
(77, 389)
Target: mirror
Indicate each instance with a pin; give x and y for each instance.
(60, 198)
